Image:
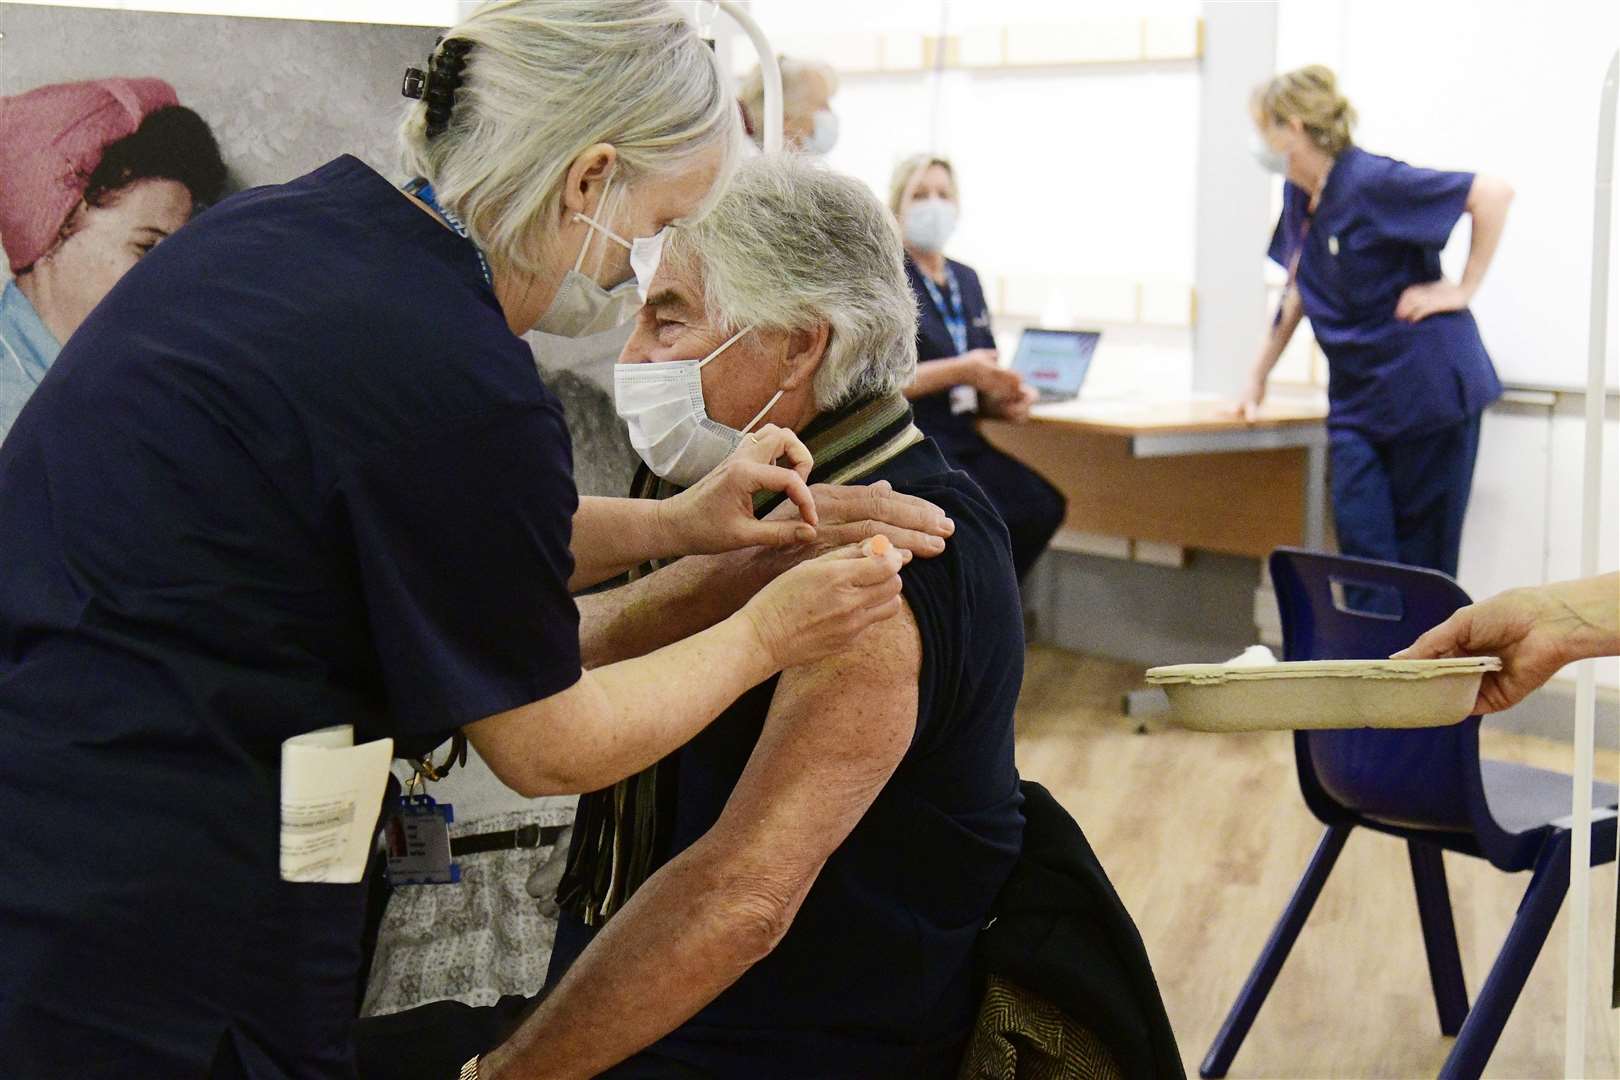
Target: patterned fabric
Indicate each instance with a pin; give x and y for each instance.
(1019, 1035)
(471, 942)
(618, 835)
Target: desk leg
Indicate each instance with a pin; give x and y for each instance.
(1316, 496)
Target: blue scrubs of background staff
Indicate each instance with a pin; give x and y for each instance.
(1029, 505)
(1405, 398)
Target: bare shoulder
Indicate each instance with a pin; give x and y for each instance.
(862, 699)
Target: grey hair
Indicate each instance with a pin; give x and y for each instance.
(545, 80)
(792, 244)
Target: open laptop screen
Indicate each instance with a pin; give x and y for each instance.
(1055, 362)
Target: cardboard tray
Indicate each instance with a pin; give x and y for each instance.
(1323, 694)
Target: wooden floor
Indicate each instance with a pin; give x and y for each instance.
(1205, 836)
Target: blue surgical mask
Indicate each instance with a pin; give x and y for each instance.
(929, 223)
(1273, 161)
(823, 132)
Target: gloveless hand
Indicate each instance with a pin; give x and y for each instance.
(1528, 628)
(819, 607)
(1418, 302)
(853, 513)
(983, 372)
(717, 513)
(1014, 409)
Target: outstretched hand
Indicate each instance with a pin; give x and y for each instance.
(1529, 630)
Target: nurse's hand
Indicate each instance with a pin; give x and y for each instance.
(1418, 302)
(1014, 409)
(982, 370)
(717, 513)
(815, 609)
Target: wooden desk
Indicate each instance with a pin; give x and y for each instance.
(1180, 472)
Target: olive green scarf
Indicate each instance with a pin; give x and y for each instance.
(620, 831)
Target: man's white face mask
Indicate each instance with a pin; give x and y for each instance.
(582, 306)
(662, 405)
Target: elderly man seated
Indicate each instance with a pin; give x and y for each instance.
(797, 892)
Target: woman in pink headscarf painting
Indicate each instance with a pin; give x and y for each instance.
(92, 176)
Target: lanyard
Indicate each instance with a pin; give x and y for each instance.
(424, 191)
(952, 313)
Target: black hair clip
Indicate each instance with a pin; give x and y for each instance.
(437, 85)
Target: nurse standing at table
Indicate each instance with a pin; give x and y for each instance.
(1408, 376)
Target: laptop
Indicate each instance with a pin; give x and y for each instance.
(1055, 362)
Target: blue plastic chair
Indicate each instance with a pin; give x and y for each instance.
(1426, 786)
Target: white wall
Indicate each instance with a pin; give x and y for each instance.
(1493, 86)
(398, 12)
(1084, 172)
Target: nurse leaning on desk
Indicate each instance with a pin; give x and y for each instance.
(1408, 376)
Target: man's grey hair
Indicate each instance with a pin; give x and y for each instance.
(546, 80)
(792, 244)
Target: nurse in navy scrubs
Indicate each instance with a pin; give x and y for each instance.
(959, 374)
(298, 470)
(1408, 376)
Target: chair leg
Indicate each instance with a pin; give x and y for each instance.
(1496, 998)
(1439, 935)
(1283, 935)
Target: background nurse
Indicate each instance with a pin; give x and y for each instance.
(1408, 375)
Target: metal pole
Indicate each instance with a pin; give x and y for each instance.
(1580, 859)
(768, 68)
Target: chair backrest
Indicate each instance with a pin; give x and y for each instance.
(1339, 608)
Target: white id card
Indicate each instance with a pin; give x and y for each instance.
(964, 399)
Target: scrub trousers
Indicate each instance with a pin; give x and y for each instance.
(1404, 501)
(1029, 505)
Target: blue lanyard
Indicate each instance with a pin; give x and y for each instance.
(424, 191)
(953, 314)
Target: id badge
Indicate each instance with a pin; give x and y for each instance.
(418, 838)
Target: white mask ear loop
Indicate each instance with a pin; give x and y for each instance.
(724, 346)
(598, 226)
(769, 405)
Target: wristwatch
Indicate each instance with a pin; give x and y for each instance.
(469, 1071)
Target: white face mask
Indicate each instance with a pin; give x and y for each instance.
(646, 252)
(662, 404)
(582, 306)
(929, 223)
(1273, 161)
(823, 132)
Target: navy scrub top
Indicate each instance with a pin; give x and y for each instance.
(875, 976)
(1379, 227)
(294, 471)
(955, 432)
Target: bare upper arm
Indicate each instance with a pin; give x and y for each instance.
(835, 734)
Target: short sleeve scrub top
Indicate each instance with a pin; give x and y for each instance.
(295, 471)
(1405, 399)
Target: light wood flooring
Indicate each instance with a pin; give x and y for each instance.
(1205, 836)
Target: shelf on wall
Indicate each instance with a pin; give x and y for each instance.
(1106, 42)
